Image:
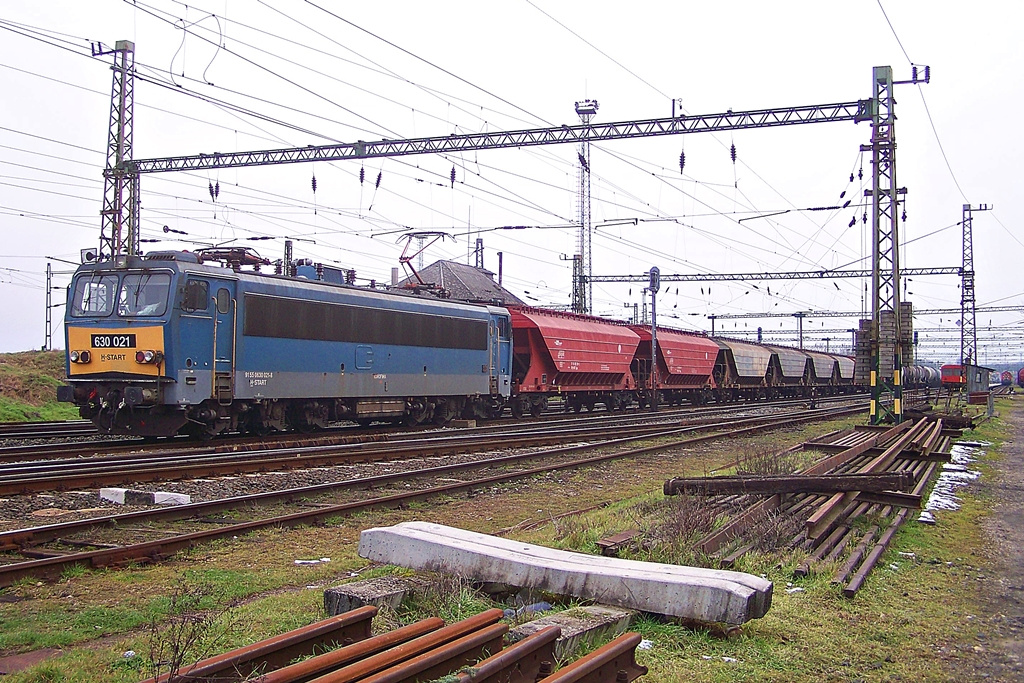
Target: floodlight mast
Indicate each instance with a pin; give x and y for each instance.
(122, 170)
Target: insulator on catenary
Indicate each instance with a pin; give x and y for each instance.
(851, 177)
(380, 174)
(212, 196)
(865, 219)
(314, 184)
(853, 222)
(732, 152)
(216, 190)
(842, 194)
(847, 203)
(362, 174)
(453, 176)
(682, 160)
(860, 174)
(583, 162)
(904, 216)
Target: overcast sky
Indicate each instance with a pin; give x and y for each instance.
(226, 75)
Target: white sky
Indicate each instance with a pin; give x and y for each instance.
(522, 64)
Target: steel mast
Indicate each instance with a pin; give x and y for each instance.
(582, 284)
(119, 232)
(968, 321)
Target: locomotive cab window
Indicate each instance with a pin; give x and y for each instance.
(144, 294)
(197, 296)
(223, 300)
(93, 296)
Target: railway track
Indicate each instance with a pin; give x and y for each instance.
(40, 430)
(100, 541)
(349, 433)
(133, 466)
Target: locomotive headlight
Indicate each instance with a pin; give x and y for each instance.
(148, 356)
(80, 356)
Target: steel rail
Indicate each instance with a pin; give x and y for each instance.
(161, 548)
(69, 474)
(485, 622)
(336, 434)
(611, 663)
(520, 662)
(12, 540)
(335, 659)
(275, 652)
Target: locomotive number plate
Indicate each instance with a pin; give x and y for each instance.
(113, 341)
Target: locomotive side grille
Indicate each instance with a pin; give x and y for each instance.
(267, 316)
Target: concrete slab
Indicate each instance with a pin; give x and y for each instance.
(581, 627)
(381, 591)
(709, 595)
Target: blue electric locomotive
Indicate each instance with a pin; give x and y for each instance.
(166, 344)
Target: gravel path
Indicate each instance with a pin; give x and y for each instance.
(1000, 648)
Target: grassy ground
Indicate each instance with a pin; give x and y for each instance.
(911, 617)
(28, 387)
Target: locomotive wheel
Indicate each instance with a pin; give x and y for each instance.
(517, 409)
(445, 412)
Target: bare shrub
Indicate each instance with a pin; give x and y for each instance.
(192, 628)
(773, 531)
(765, 461)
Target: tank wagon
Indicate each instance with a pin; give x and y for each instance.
(167, 344)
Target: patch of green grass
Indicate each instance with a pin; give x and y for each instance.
(450, 598)
(17, 411)
(28, 387)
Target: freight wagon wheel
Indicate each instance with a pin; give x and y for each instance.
(537, 406)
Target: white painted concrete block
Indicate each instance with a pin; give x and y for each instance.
(114, 495)
(168, 498)
(133, 497)
(710, 595)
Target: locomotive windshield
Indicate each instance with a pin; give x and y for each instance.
(139, 294)
(94, 295)
(143, 294)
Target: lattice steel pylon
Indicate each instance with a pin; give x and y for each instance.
(119, 233)
(968, 310)
(583, 288)
(886, 390)
(886, 319)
